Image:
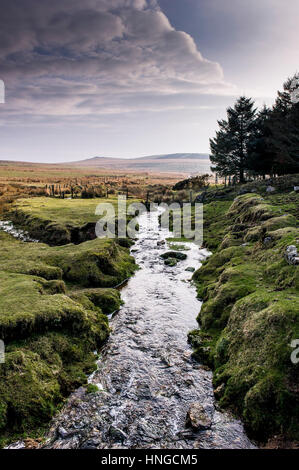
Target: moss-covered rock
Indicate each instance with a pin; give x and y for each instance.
(108, 300)
(250, 316)
(95, 263)
(171, 262)
(54, 303)
(175, 255)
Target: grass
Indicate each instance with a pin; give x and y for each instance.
(60, 221)
(250, 311)
(99, 262)
(69, 212)
(54, 303)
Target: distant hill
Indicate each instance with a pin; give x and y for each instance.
(170, 163)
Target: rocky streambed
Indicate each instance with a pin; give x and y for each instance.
(149, 392)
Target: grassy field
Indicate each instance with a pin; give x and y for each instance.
(18, 172)
(69, 212)
(60, 221)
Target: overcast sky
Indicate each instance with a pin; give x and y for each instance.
(128, 78)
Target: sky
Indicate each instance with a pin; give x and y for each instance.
(129, 78)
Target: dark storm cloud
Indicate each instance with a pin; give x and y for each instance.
(69, 57)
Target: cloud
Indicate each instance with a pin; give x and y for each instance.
(98, 56)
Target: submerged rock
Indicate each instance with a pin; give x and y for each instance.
(198, 418)
(190, 269)
(174, 254)
(171, 262)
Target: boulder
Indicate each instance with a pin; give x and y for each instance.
(174, 254)
(198, 418)
(171, 262)
(270, 189)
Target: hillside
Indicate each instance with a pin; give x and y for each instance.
(174, 163)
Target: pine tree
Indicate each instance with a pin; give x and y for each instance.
(230, 147)
(260, 159)
(284, 125)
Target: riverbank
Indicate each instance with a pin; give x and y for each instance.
(53, 320)
(249, 288)
(57, 221)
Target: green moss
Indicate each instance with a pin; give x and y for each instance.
(52, 301)
(29, 390)
(175, 255)
(250, 316)
(171, 262)
(108, 300)
(281, 222)
(91, 388)
(177, 247)
(60, 221)
(99, 262)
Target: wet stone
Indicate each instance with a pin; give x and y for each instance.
(117, 434)
(198, 418)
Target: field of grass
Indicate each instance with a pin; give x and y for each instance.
(60, 221)
(69, 212)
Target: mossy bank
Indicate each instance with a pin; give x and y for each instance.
(59, 221)
(53, 318)
(250, 310)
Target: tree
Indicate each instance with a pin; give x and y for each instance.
(284, 126)
(230, 148)
(260, 159)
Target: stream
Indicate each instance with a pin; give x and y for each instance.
(8, 227)
(145, 374)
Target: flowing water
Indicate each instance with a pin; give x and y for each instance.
(146, 376)
(8, 227)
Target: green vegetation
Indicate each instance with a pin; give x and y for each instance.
(59, 221)
(174, 254)
(250, 310)
(178, 247)
(53, 307)
(258, 143)
(91, 388)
